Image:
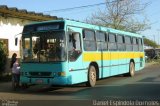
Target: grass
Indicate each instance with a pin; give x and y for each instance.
(153, 61)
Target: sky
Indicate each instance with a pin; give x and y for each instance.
(151, 12)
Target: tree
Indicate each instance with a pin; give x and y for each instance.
(149, 42)
(3, 58)
(121, 14)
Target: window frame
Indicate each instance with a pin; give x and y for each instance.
(128, 44)
(140, 44)
(101, 41)
(121, 44)
(112, 43)
(89, 40)
(135, 44)
(73, 54)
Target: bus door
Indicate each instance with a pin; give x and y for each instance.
(112, 46)
(101, 38)
(75, 55)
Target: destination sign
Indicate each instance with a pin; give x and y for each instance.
(43, 27)
(48, 27)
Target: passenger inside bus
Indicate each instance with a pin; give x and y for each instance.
(52, 51)
(74, 46)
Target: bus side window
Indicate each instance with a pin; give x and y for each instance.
(120, 43)
(112, 46)
(89, 40)
(26, 49)
(140, 44)
(74, 46)
(101, 41)
(74, 39)
(135, 44)
(128, 43)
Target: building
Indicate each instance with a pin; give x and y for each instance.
(12, 21)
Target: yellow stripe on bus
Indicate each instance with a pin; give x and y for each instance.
(111, 56)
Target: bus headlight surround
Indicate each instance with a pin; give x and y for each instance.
(62, 74)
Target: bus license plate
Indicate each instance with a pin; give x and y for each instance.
(39, 81)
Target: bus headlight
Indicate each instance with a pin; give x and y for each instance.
(62, 74)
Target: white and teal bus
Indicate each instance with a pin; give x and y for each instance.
(66, 52)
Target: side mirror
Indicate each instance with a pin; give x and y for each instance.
(16, 41)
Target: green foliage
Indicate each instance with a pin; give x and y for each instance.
(149, 42)
(3, 58)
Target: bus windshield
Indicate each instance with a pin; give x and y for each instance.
(45, 46)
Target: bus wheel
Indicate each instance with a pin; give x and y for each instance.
(131, 69)
(91, 76)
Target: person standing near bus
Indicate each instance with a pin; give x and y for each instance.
(13, 59)
(15, 71)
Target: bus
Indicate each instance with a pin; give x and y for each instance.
(66, 52)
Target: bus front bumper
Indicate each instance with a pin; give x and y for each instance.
(47, 81)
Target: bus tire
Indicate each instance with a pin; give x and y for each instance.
(92, 76)
(131, 69)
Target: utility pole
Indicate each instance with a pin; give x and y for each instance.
(158, 36)
(154, 38)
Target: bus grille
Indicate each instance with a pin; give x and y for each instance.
(40, 74)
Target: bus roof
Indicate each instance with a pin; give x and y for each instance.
(88, 26)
